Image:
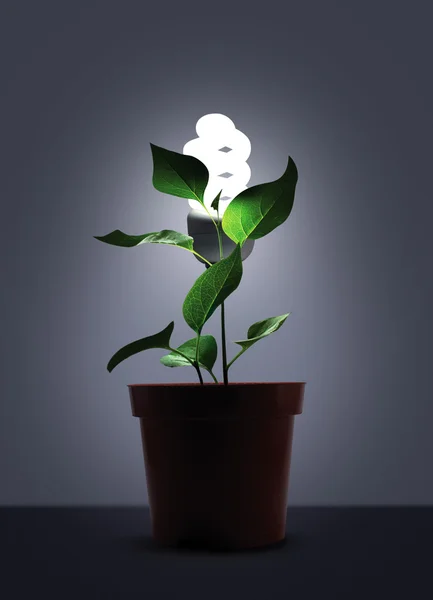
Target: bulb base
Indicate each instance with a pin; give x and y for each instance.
(201, 228)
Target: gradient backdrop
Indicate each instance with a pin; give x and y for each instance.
(345, 88)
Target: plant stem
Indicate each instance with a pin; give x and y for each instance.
(197, 368)
(233, 359)
(223, 327)
(211, 217)
(194, 364)
(196, 348)
(197, 254)
(202, 257)
(223, 344)
(223, 323)
(213, 376)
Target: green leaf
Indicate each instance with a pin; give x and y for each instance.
(166, 236)
(258, 210)
(211, 289)
(207, 353)
(216, 201)
(261, 329)
(159, 340)
(179, 174)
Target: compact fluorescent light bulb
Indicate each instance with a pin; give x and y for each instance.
(225, 151)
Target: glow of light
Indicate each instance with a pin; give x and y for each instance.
(225, 151)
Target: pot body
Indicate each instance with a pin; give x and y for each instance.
(217, 460)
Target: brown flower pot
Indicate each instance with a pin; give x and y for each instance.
(217, 460)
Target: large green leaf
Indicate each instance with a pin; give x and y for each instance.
(258, 210)
(158, 340)
(166, 236)
(179, 174)
(261, 329)
(207, 353)
(211, 289)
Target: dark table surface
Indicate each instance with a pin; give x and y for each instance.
(107, 553)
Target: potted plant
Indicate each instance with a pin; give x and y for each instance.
(217, 454)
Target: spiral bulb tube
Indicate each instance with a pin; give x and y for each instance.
(225, 151)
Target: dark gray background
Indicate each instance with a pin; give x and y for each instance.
(345, 88)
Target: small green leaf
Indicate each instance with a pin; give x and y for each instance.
(258, 210)
(262, 329)
(211, 289)
(158, 340)
(179, 174)
(207, 353)
(166, 236)
(216, 201)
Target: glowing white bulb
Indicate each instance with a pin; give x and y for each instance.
(225, 151)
